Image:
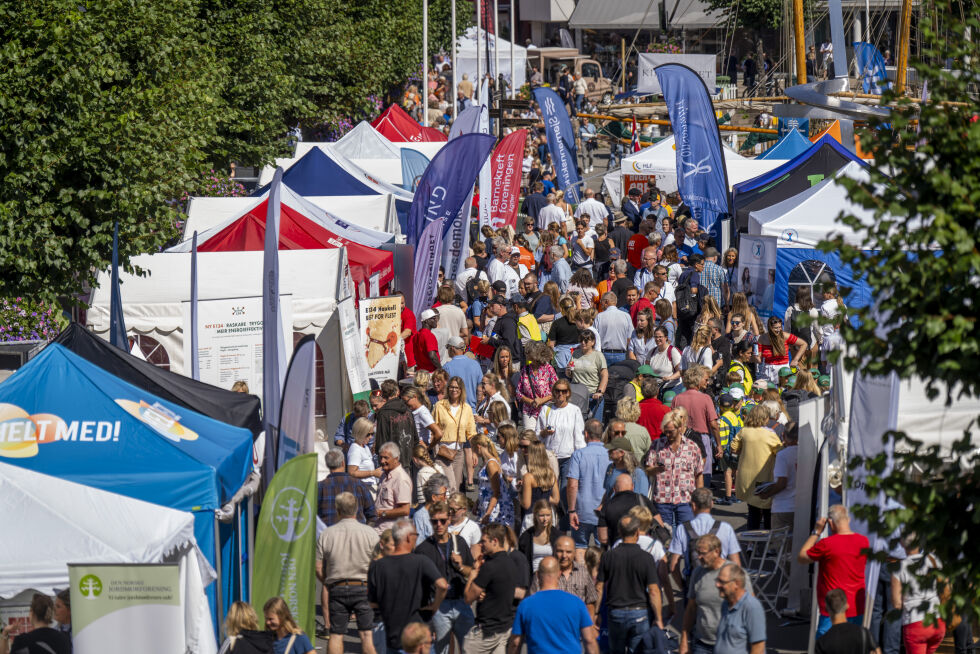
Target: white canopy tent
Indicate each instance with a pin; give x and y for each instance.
(466, 57)
(50, 522)
(372, 182)
(154, 304)
(362, 142)
(660, 160)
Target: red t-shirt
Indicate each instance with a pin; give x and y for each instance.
(425, 342)
(841, 566)
(634, 250)
(640, 305)
(652, 412)
(700, 409)
(765, 352)
(408, 322)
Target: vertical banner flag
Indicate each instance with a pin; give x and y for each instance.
(414, 164)
(127, 607)
(486, 173)
(635, 135)
(195, 355)
(757, 272)
(284, 537)
(381, 325)
(273, 342)
(456, 243)
(447, 182)
(505, 185)
(297, 431)
(428, 254)
(561, 142)
(702, 178)
(117, 323)
(467, 122)
(871, 68)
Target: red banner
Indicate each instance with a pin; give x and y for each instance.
(505, 176)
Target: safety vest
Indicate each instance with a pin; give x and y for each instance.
(529, 327)
(738, 366)
(639, 393)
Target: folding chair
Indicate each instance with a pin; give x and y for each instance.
(766, 563)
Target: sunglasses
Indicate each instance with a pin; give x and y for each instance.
(619, 433)
(439, 521)
(736, 322)
(562, 391)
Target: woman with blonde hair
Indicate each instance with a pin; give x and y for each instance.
(529, 440)
(455, 418)
(360, 460)
(506, 368)
(538, 483)
(421, 381)
(756, 446)
(41, 637)
(553, 293)
(290, 639)
(494, 392)
(495, 503)
(709, 311)
(741, 306)
(508, 448)
(806, 383)
(699, 350)
(241, 623)
(564, 206)
(427, 467)
(460, 523)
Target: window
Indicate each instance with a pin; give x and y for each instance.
(150, 349)
(591, 70)
(812, 274)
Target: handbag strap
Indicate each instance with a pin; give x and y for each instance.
(289, 645)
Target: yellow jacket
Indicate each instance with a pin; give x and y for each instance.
(455, 429)
(756, 448)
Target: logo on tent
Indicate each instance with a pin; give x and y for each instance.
(160, 419)
(790, 235)
(90, 587)
(21, 433)
(292, 515)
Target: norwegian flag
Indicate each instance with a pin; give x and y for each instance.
(636, 136)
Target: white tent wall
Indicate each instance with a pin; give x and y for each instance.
(362, 142)
(153, 304)
(466, 56)
(386, 170)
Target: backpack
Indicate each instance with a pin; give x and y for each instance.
(692, 537)
(731, 459)
(687, 301)
(252, 642)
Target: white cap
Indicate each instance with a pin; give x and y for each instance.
(428, 313)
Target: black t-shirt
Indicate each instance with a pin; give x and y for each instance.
(441, 556)
(619, 287)
(845, 638)
(497, 577)
(722, 349)
(626, 571)
(602, 250)
(621, 237)
(398, 585)
(616, 507)
(34, 642)
(523, 578)
(481, 262)
(563, 332)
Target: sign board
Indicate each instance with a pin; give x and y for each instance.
(702, 64)
(784, 125)
(350, 334)
(381, 327)
(117, 608)
(229, 339)
(757, 272)
(638, 182)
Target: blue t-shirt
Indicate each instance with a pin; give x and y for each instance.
(469, 371)
(551, 621)
(549, 186)
(301, 645)
(740, 626)
(588, 465)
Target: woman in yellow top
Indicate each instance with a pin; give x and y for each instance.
(455, 418)
(756, 446)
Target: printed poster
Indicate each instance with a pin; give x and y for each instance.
(381, 328)
(757, 272)
(350, 334)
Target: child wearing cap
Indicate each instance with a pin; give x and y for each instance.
(729, 424)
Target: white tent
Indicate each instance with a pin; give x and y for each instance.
(466, 57)
(660, 160)
(365, 154)
(362, 142)
(154, 304)
(50, 522)
(809, 217)
(627, 15)
(614, 186)
(375, 212)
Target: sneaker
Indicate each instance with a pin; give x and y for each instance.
(724, 501)
(733, 499)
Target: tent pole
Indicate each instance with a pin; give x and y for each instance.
(452, 20)
(250, 538)
(479, 68)
(513, 36)
(238, 533)
(496, 49)
(425, 63)
(217, 569)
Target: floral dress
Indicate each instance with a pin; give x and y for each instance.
(535, 382)
(503, 512)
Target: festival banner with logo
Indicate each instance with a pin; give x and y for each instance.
(702, 178)
(757, 272)
(483, 214)
(647, 82)
(273, 334)
(230, 339)
(297, 429)
(505, 185)
(350, 335)
(561, 142)
(428, 254)
(284, 539)
(871, 68)
(121, 608)
(447, 183)
(787, 124)
(381, 326)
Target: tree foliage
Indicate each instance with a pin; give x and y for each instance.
(751, 14)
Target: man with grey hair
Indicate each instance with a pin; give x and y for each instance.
(343, 554)
(499, 271)
(337, 482)
(703, 523)
(561, 271)
(394, 489)
(435, 489)
(399, 583)
(686, 239)
(648, 260)
(614, 327)
(550, 213)
(742, 627)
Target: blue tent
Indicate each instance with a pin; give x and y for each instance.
(793, 144)
(63, 416)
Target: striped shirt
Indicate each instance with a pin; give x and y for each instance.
(713, 278)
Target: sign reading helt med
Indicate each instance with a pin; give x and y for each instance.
(122, 608)
(229, 340)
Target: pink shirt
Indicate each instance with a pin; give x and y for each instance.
(395, 488)
(700, 409)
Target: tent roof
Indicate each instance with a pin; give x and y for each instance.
(239, 409)
(819, 161)
(805, 219)
(640, 14)
(112, 435)
(315, 173)
(397, 126)
(791, 145)
(364, 142)
(72, 522)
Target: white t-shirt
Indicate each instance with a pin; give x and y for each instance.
(362, 458)
(663, 363)
(912, 596)
(497, 270)
(689, 357)
(596, 210)
(549, 213)
(569, 434)
(423, 418)
(468, 531)
(785, 500)
(579, 245)
(651, 546)
(451, 318)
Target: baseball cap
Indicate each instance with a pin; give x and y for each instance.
(614, 253)
(791, 380)
(824, 380)
(785, 371)
(770, 385)
(737, 393)
(619, 444)
(760, 385)
(499, 286)
(455, 341)
(515, 250)
(726, 399)
(635, 191)
(645, 370)
(428, 313)
(669, 397)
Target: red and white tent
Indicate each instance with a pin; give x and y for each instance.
(397, 126)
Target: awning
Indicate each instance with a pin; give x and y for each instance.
(645, 14)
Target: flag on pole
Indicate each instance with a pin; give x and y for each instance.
(636, 137)
(503, 190)
(297, 431)
(273, 341)
(428, 254)
(871, 68)
(561, 142)
(117, 323)
(284, 538)
(195, 361)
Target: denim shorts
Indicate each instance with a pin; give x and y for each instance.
(581, 535)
